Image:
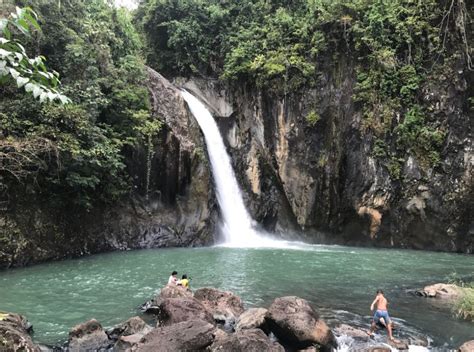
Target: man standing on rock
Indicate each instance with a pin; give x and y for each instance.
(381, 303)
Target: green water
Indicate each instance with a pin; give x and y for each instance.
(339, 280)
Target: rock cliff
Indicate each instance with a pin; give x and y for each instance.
(320, 179)
(177, 210)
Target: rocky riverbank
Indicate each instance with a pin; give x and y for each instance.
(212, 320)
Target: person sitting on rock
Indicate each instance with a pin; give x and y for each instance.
(381, 314)
(173, 280)
(184, 281)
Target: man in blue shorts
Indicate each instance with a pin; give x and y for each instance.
(381, 303)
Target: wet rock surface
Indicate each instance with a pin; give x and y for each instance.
(295, 322)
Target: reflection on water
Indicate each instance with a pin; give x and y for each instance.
(336, 279)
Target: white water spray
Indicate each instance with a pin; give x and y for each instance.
(237, 224)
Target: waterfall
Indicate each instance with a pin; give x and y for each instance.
(237, 224)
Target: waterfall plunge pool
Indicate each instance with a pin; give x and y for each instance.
(339, 281)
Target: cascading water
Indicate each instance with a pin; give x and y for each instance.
(236, 226)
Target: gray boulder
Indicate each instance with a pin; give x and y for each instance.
(296, 324)
(88, 336)
(248, 340)
(192, 335)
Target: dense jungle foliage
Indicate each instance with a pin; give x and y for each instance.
(73, 153)
(282, 46)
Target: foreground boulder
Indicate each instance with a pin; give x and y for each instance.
(192, 335)
(222, 304)
(14, 336)
(249, 340)
(295, 323)
(254, 318)
(88, 336)
(467, 346)
(441, 291)
(175, 310)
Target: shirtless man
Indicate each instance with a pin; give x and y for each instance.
(381, 303)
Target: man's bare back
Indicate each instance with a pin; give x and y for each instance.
(381, 302)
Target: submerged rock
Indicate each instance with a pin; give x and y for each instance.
(222, 304)
(254, 318)
(248, 340)
(14, 336)
(296, 323)
(175, 310)
(88, 336)
(192, 335)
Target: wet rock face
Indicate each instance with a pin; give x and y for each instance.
(296, 323)
(323, 179)
(14, 336)
(178, 210)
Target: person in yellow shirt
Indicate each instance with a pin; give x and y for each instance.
(184, 281)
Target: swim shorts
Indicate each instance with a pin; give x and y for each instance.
(382, 314)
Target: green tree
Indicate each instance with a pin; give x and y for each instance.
(15, 64)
